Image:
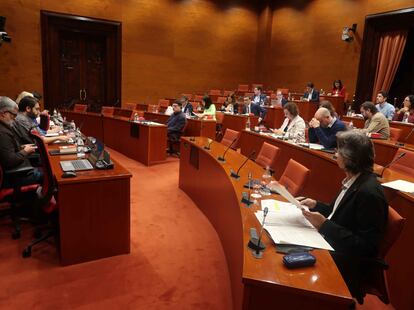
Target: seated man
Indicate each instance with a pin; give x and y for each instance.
(26, 120)
(280, 99)
(323, 128)
(187, 106)
(311, 94)
(258, 97)
(383, 106)
(175, 124)
(13, 155)
(375, 122)
(253, 108)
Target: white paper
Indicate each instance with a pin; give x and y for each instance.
(52, 134)
(289, 226)
(274, 185)
(400, 185)
(274, 205)
(312, 146)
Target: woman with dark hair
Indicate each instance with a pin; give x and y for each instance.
(338, 89)
(229, 105)
(293, 126)
(354, 223)
(209, 109)
(406, 113)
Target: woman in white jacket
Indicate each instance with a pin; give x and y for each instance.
(293, 127)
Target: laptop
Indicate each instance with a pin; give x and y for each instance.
(97, 152)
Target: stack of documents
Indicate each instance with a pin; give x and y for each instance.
(400, 185)
(286, 224)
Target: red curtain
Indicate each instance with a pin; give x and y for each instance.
(390, 52)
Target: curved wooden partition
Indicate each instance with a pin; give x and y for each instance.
(323, 184)
(256, 283)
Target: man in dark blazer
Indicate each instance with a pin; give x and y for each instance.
(258, 97)
(253, 108)
(175, 125)
(354, 223)
(187, 107)
(311, 94)
(323, 128)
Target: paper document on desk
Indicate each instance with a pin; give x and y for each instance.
(312, 146)
(289, 226)
(279, 188)
(400, 185)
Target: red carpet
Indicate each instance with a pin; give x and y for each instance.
(176, 261)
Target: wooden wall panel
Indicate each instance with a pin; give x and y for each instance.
(168, 46)
(306, 41)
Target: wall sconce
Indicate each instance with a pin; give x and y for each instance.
(346, 33)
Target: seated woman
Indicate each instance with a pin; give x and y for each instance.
(354, 223)
(328, 105)
(338, 89)
(293, 126)
(209, 109)
(406, 113)
(230, 103)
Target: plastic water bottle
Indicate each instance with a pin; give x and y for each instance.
(349, 112)
(351, 125)
(72, 125)
(248, 124)
(405, 117)
(136, 117)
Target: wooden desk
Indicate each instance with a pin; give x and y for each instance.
(357, 121)
(144, 143)
(307, 109)
(274, 117)
(94, 212)
(337, 102)
(324, 184)
(195, 127)
(238, 121)
(89, 123)
(256, 284)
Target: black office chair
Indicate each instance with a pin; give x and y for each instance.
(46, 203)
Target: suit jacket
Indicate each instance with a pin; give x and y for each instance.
(176, 122)
(358, 224)
(378, 123)
(295, 128)
(315, 95)
(255, 109)
(188, 109)
(11, 156)
(262, 99)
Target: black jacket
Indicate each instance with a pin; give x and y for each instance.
(358, 224)
(176, 122)
(11, 155)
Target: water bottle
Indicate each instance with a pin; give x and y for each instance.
(54, 113)
(248, 124)
(72, 125)
(405, 117)
(289, 97)
(349, 112)
(351, 125)
(136, 117)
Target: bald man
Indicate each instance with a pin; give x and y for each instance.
(323, 128)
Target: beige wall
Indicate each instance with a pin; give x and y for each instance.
(168, 46)
(306, 41)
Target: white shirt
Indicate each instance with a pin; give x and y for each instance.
(346, 184)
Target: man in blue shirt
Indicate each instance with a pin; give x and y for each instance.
(324, 127)
(383, 106)
(258, 97)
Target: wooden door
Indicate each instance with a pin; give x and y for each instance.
(81, 61)
(82, 70)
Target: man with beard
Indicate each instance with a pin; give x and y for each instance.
(375, 122)
(13, 155)
(26, 120)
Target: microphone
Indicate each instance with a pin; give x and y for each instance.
(393, 161)
(255, 242)
(236, 175)
(207, 147)
(221, 158)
